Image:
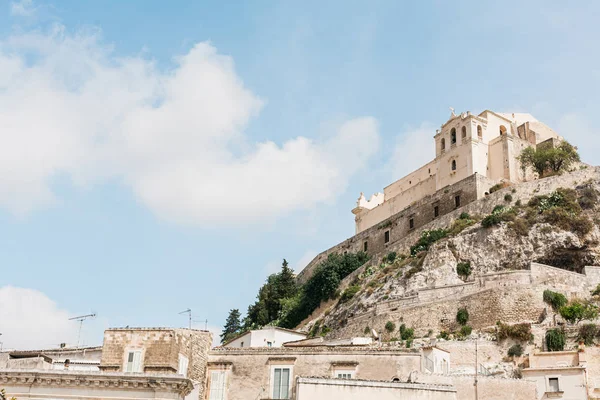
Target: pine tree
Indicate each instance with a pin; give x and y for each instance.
(232, 325)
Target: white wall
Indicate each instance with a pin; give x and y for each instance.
(329, 389)
(260, 338)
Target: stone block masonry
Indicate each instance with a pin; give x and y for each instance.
(510, 297)
(401, 236)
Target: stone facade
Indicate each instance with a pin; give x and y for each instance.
(161, 349)
(249, 371)
(40, 384)
(487, 144)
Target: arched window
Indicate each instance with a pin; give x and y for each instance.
(453, 136)
(464, 132)
(502, 130)
(453, 165)
(443, 144)
(479, 132)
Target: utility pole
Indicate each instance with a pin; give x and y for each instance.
(476, 369)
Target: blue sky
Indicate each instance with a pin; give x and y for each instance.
(157, 158)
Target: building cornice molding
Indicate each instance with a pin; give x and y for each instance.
(178, 384)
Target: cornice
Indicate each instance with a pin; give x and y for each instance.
(66, 379)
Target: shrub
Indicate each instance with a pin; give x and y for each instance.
(518, 203)
(391, 257)
(520, 332)
(554, 299)
(596, 291)
(464, 215)
(465, 330)
(499, 186)
(325, 330)
(315, 329)
(578, 311)
(459, 225)
(508, 197)
(462, 316)
(520, 226)
(406, 333)
(390, 326)
(555, 339)
(409, 343)
(427, 239)
(367, 330)
(587, 333)
(444, 335)
(349, 293)
(409, 274)
(568, 220)
(463, 269)
(588, 198)
(499, 214)
(516, 350)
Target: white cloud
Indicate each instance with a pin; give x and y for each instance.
(22, 8)
(30, 320)
(575, 128)
(71, 108)
(413, 149)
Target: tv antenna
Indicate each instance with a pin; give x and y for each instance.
(205, 323)
(81, 318)
(189, 313)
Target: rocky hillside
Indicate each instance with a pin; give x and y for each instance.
(558, 227)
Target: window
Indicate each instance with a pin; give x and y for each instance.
(456, 201)
(386, 237)
(281, 382)
(553, 385)
(183, 365)
(436, 211)
(453, 165)
(479, 132)
(464, 132)
(344, 375)
(242, 344)
(134, 361)
(443, 143)
(453, 136)
(365, 246)
(411, 223)
(269, 344)
(502, 130)
(217, 385)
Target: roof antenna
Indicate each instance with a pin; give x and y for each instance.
(81, 318)
(189, 313)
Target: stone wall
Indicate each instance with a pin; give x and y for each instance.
(401, 237)
(509, 296)
(249, 369)
(160, 349)
(398, 225)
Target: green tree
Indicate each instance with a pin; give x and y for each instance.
(578, 311)
(547, 160)
(232, 325)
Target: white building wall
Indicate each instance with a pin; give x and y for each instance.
(262, 338)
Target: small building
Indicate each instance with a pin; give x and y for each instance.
(558, 374)
(435, 360)
(269, 336)
(355, 389)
